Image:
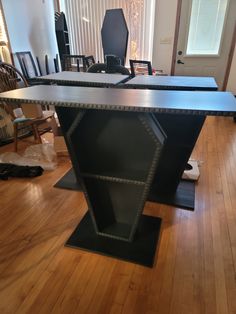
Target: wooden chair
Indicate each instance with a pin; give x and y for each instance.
(32, 115)
(140, 67)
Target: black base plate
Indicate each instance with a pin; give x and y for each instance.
(183, 198)
(69, 182)
(140, 251)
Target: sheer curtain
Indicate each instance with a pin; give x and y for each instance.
(85, 17)
(4, 49)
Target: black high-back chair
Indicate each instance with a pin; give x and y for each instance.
(115, 38)
(112, 65)
(46, 65)
(48, 69)
(39, 66)
(56, 63)
(73, 63)
(140, 67)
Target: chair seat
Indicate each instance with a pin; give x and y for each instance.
(34, 124)
(48, 113)
(21, 120)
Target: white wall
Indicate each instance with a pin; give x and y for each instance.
(231, 86)
(164, 31)
(31, 27)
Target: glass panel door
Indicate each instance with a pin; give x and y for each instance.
(206, 26)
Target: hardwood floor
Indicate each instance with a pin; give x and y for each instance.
(195, 269)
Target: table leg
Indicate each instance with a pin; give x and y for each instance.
(182, 132)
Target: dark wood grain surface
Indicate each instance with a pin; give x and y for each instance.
(187, 102)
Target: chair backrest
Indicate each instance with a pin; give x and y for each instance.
(27, 64)
(56, 63)
(47, 65)
(39, 66)
(48, 69)
(73, 62)
(89, 60)
(10, 77)
(112, 65)
(102, 68)
(32, 111)
(115, 38)
(140, 67)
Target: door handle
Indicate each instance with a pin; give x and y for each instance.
(180, 62)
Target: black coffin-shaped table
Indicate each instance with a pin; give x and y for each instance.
(190, 83)
(69, 78)
(180, 193)
(184, 195)
(115, 143)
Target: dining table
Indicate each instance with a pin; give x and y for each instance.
(167, 82)
(116, 140)
(183, 191)
(70, 78)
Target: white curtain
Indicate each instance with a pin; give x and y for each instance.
(3, 35)
(4, 50)
(85, 17)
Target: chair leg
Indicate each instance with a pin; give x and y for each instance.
(15, 137)
(53, 124)
(36, 134)
(34, 130)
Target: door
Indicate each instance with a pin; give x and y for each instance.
(205, 34)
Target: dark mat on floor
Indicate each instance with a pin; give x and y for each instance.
(183, 198)
(69, 181)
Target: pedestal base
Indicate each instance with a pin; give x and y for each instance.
(183, 198)
(69, 182)
(140, 251)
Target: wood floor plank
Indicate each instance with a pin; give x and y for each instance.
(115, 293)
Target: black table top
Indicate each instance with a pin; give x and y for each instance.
(173, 82)
(83, 78)
(187, 102)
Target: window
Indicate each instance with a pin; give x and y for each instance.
(85, 17)
(206, 26)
